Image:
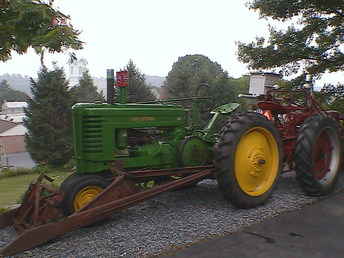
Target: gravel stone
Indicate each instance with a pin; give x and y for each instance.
(170, 220)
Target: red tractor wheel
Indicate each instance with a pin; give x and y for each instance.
(317, 155)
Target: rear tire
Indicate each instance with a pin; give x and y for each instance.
(80, 189)
(248, 159)
(318, 155)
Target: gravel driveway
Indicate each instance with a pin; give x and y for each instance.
(171, 220)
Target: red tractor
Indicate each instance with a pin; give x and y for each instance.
(288, 127)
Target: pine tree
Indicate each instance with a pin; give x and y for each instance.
(86, 91)
(49, 137)
(138, 89)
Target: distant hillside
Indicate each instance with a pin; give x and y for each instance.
(22, 83)
(17, 82)
(156, 81)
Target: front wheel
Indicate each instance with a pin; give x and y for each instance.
(79, 190)
(318, 155)
(248, 158)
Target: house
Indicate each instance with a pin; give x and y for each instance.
(76, 70)
(13, 108)
(12, 130)
(12, 136)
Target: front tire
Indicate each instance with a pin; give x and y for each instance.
(318, 155)
(248, 159)
(79, 190)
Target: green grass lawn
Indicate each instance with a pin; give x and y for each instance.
(12, 188)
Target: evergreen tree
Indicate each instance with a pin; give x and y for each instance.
(8, 94)
(49, 136)
(314, 44)
(138, 90)
(86, 91)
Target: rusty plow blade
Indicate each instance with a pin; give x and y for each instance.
(39, 219)
(39, 206)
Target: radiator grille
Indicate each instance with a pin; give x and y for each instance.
(92, 132)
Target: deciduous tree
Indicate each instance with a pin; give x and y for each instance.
(191, 71)
(36, 24)
(312, 43)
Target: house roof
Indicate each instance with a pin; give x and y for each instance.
(6, 125)
(17, 130)
(15, 104)
(15, 118)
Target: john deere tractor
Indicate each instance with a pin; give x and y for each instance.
(131, 136)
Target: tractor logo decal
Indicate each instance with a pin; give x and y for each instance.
(143, 119)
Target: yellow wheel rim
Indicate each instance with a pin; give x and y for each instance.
(85, 195)
(256, 161)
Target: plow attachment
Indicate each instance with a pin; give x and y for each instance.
(40, 218)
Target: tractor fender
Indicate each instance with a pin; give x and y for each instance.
(226, 108)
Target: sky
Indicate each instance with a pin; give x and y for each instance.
(153, 33)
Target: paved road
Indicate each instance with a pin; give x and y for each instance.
(21, 159)
(316, 231)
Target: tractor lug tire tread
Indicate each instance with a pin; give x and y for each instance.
(303, 152)
(224, 152)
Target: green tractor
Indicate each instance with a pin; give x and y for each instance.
(160, 135)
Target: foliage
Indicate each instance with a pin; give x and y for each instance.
(313, 45)
(138, 90)
(333, 96)
(3, 210)
(240, 86)
(9, 172)
(12, 172)
(190, 72)
(36, 24)
(49, 137)
(86, 91)
(333, 91)
(337, 104)
(8, 94)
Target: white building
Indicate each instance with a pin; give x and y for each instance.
(13, 108)
(12, 130)
(261, 82)
(76, 69)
